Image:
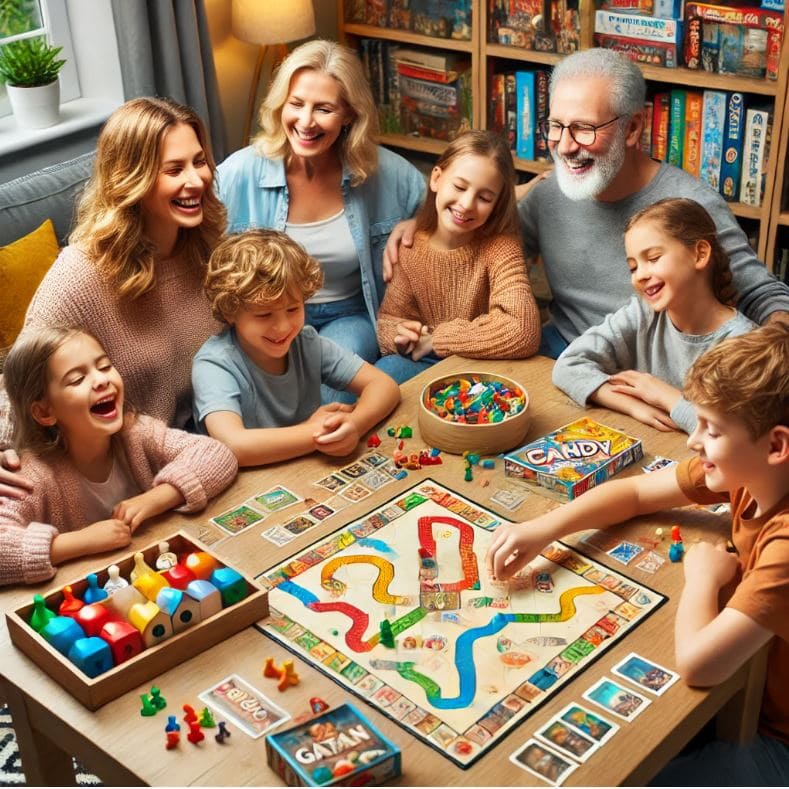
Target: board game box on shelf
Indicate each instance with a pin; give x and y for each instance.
(397, 607)
(338, 748)
(100, 650)
(576, 457)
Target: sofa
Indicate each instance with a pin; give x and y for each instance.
(29, 243)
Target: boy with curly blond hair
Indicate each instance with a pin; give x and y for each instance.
(740, 390)
(257, 384)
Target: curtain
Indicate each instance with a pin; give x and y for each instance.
(165, 50)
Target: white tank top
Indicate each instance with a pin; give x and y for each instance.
(101, 497)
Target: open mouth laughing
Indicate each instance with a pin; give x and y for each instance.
(106, 408)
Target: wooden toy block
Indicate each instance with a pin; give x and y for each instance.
(202, 564)
(150, 584)
(61, 632)
(207, 596)
(92, 655)
(154, 625)
(179, 576)
(182, 609)
(123, 599)
(91, 618)
(124, 639)
(230, 584)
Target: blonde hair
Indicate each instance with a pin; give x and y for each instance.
(746, 377)
(357, 148)
(26, 376)
(258, 267)
(503, 219)
(688, 222)
(109, 220)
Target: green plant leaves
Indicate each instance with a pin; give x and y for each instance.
(29, 63)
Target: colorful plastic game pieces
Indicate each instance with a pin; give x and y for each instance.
(202, 564)
(172, 724)
(114, 581)
(677, 548)
(70, 604)
(166, 558)
(195, 732)
(206, 719)
(191, 715)
(157, 699)
(140, 568)
(148, 709)
(223, 733)
(285, 673)
(402, 431)
(387, 638)
(93, 593)
(373, 442)
(41, 614)
(173, 732)
(473, 401)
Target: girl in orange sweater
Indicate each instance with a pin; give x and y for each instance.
(462, 288)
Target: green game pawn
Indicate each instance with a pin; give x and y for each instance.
(157, 700)
(41, 614)
(386, 635)
(206, 719)
(148, 710)
(469, 475)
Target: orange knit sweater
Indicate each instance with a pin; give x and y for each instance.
(477, 299)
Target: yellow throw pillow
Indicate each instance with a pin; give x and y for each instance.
(23, 264)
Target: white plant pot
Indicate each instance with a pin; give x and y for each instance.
(35, 108)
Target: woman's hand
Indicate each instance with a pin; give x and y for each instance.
(12, 483)
(402, 233)
(646, 387)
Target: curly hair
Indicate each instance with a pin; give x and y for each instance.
(110, 226)
(357, 148)
(258, 267)
(503, 219)
(688, 222)
(746, 377)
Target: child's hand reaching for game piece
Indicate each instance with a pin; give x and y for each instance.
(712, 563)
(138, 509)
(513, 547)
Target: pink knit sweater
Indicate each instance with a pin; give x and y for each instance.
(477, 298)
(198, 466)
(151, 340)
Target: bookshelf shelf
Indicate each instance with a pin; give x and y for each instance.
(488, 57)
(406, 37)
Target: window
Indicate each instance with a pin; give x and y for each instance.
(33, 18)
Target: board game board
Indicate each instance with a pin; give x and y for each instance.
(471, 658)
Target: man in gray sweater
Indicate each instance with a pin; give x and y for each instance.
(574, 219)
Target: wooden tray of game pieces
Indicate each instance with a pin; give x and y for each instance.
(154, 660)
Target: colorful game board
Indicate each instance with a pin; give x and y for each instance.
(471, 658)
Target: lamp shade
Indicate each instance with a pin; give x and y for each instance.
(272, 21)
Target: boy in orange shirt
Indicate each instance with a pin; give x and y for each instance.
(740, 390)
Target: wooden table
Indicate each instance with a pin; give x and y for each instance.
(123, 748)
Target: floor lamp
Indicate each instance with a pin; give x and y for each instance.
(267, 22)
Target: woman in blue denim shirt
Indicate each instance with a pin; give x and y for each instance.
(315, 173)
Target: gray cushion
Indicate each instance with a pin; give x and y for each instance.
(50, 193)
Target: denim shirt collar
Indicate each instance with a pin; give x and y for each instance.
(273, 174)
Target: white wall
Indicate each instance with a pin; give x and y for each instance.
(235, 62)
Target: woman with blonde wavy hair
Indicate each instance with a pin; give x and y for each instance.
(315, 172)
(132, 273)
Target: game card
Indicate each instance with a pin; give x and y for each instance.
(645, 673)
(355, 492)
(332, 483)
(567, 740)
(658, 463)
(236, 520)
(245, 706)
(508, 498)
(618, 700)
(278, 536)
(586, 722)
(650, 563)
(298, 524)
(321, 512)
(374, 459)
(275, 499)
(376, 479)
(537, 759)
(625, 552)
(354, 470)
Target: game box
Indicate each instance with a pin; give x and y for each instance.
(338, 748)
(151, 662)
(576, 457)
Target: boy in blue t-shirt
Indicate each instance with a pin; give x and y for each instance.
(257, 384)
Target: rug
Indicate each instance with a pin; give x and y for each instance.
(11, 766)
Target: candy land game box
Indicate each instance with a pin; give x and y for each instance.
(576, 457)
(338, 748)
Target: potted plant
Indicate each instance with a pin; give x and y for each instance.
(29, 67)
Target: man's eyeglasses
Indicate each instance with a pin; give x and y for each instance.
(582, 133)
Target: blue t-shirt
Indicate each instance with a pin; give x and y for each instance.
(224, 378)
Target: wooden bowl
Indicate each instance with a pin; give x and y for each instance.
(488, 438)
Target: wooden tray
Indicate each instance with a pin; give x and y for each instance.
(151, 662)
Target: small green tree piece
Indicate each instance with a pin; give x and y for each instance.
(29, 63)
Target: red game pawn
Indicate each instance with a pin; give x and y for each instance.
(195, 733)
(191, 715)
(373, 441)
(173, 738)
(70, 604)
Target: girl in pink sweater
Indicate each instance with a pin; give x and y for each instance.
(98, 472)
(462, 288)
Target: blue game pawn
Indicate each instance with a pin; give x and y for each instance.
(172, 724)
(676, 551)
(94, 593)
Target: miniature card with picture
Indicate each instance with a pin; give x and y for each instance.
(646, 674)
(617, 699)
(238, 519)
(567, 740)
(539, 760)
(588, 723)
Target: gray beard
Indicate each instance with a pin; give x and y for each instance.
(599, 178)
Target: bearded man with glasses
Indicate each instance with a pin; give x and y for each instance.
(574, 219)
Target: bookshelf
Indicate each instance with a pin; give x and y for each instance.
(769, 222)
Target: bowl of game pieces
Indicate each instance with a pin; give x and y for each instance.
(485, 413)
